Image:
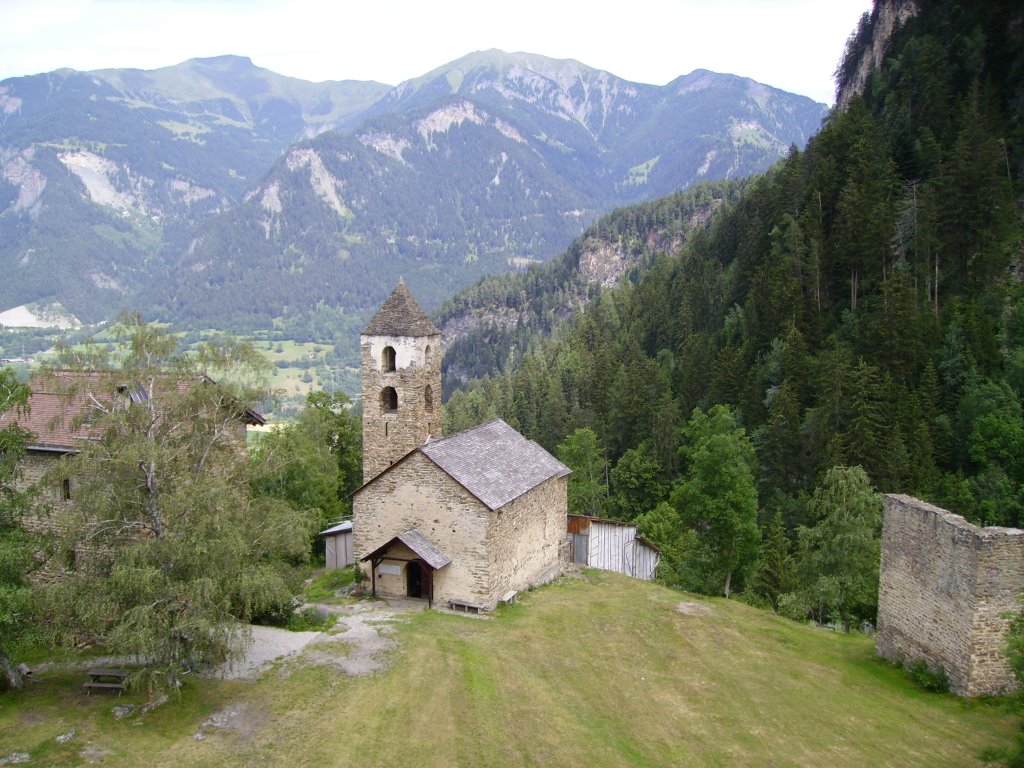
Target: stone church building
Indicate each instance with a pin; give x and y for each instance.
(462, 520)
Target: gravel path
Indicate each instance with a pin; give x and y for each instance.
(268, 645)
(363, 630)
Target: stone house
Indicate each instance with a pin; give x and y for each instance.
(463, 520)
(59, 417)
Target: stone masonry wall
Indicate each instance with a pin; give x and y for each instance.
(417, 494)
(50, 517)
(526, 541)
(945, 587)
(390, 435)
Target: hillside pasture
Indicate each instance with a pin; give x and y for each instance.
(594, 671)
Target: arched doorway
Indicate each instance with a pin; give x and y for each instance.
(414, 579)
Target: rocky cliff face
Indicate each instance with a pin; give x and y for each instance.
(870, 42)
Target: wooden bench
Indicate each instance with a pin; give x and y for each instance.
(462, 605)
(509, 597)
(105, 679)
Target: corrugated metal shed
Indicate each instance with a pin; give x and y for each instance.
(345, 526)
(494, 462)
(338, 545)
(611, 545)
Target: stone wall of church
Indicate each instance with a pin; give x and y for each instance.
(526, 541)
(390, 433)
(945, 590)
(419, 495)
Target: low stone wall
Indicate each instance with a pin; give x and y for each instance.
(945, 592)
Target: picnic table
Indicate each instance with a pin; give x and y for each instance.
(106, 679)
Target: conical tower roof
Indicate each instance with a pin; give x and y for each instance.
(400, 315)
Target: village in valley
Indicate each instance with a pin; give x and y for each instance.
(733, 479)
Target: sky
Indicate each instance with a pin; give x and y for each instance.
(790, 44)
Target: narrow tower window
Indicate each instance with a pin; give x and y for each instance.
(388, 400)
(428, 397)
(387, 361)
(429, 354)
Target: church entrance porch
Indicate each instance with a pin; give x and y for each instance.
(420, 559)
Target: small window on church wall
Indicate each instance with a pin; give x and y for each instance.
(388, 400)
(387, 361)
(428, 397)
(429, 354)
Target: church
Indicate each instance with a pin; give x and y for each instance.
(463, 521)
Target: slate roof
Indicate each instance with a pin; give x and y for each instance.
(423, 549)
(400, 315)
(494, 462)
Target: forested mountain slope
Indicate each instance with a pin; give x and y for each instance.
(860, 304)
(486, 327)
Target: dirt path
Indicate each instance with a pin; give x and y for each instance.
(359, 643)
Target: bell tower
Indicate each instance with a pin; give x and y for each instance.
(400, 362)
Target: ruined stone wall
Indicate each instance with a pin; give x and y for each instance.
(526, 541)
(388, 434)
(417, 494)
(944, 591)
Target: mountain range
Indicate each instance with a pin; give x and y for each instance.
(217, 193)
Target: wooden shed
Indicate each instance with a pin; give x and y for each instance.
(611, 545)
(338, 541)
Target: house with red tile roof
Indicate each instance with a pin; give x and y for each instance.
(62, 411)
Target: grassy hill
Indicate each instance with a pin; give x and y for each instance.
(598, 671)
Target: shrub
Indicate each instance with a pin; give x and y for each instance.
(310, 620)
(928, 677)
(324, 586)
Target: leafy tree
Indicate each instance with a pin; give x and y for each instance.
(663, 526)
(17, 545)
(636, 482)
(717, 497)
(588, 487)
(838, 557)
(175, 553)
(315, 462)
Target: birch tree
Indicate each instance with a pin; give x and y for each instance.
(172, 553)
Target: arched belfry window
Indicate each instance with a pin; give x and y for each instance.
(429, 354)
(387, 359)
(388, 400)
(428, 397)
